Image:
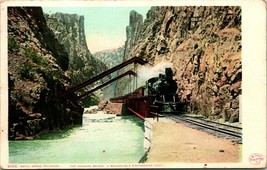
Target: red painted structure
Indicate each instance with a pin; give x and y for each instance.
(137, 103)
(135, 60)
(108, 82)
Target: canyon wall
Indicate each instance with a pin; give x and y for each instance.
(37, 65)
(133, 32)
(204, 46)
(69, 30)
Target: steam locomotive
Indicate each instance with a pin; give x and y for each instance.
(164, 89)
(157, 97)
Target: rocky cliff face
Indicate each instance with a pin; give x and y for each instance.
(69, 30)
(133, 33)
(36, 69)
(204, 46)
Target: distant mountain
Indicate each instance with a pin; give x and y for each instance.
(111, 57)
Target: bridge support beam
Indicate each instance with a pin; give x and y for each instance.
(108, 82)
(102, 75)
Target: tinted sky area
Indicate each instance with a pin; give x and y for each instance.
(105, 27)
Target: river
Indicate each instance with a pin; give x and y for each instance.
(101, 139)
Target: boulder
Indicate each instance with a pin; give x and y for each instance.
(102, 104)
(114, 108)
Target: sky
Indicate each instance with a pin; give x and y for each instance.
(105, 27)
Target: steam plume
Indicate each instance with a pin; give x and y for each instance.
(147, 71)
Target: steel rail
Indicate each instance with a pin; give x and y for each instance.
(210, 127)
(216, 123)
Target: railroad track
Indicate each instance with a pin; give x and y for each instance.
(219, 129)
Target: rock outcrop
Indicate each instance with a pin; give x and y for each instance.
(204, 46)
(133, 33)
(110, 108)
(36, 70)
(69, 30)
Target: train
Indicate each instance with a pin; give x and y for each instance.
(164, 89)
(157, 97)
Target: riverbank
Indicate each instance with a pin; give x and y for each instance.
(176, 143)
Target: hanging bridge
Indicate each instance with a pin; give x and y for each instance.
(134, 60)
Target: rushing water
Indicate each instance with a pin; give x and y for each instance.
(98, 140)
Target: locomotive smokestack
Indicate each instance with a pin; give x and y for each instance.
(168, 73)
(161, 76)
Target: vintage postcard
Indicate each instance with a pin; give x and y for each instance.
(133, 84)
